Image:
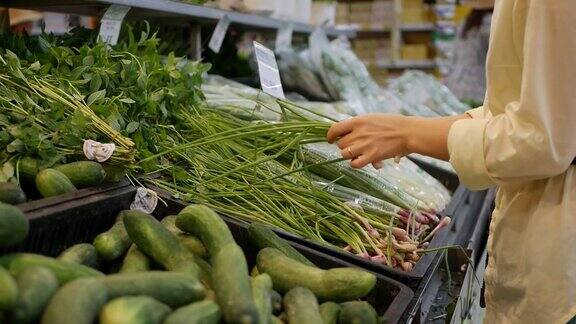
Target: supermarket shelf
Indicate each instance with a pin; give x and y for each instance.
(426, 64)
(379, 30)
(145, 9)
(417, 27)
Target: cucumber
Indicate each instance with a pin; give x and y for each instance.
(82, 254)
(205, 270)
(171, 288)
(339, 284)
(36, 285)
(50, 183)
(204, 312)
(204, 223)
(231, 284)
(276, 320)
(64, 271)
(262, 291)
(160, 244)
(78, 302)
(262, 236)
(27, 169)
(302, 307)
(192, 243)
(330, 312)
(254, 272)
(135, 261)
(83, 174)
(8, 290)
(357, 312)
(276, 302)
(11, 193)
(13, 225)
(113, 243)
(134, 310)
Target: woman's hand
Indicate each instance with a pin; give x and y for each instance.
(371, 138)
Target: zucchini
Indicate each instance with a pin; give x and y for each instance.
(262, 236)
(301, 306)
(339, 284)
(82, 254)
(78, 302)
(134, 310)
(192, 243)
(160, 244)
(50, 183)
(83, 174)
(262, 291)
(330, 312)
(276, 302)
(357, 312)
(204, 223)
(135, 261)
(27, 169)
(8, 290)
(36, 285)
(170, 223)
(204, 312)
(113, 243)
(11, 193)
(13, 225)
(231, 284)
(171, 288)
(64, 271)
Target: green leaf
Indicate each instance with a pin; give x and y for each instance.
(127, 100)
(96, 96)
(95, 83)
(8, 170)
(132, 127)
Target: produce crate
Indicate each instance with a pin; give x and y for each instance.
(62, 225)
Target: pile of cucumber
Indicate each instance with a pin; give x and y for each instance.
(186, 268)
(33, 182)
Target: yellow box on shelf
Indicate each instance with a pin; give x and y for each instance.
(414, 52)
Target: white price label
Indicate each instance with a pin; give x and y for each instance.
(219, 34)
(98, 151)
(112, 23)
(145, 200)
(268, 71)
(284, 37)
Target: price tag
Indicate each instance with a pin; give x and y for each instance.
(219, 34)
(98, 151)
(284, 37)
(112, 23)
(145, 200)
(268, 71)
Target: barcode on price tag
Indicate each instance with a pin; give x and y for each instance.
(268, 71)
(112, 23)
(284, 37)
(219, 34)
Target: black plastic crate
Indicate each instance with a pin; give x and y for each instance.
(59, 226)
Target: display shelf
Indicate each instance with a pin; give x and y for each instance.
(403, 64)
(145, 9)
(417, 27)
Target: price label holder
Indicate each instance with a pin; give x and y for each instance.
(145, 200)
(284, 37)
(112, 23)
(219, 34)
(268, 71)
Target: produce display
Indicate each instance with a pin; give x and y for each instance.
(285, 287)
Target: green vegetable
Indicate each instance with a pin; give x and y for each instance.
(276, 302)
(203, 222)
(64, 271)
(8, 290)
(83, 174)
(113, 243)
(50, 183)
(276, 320)
(262, 291)
(330, 312)
(264, 237)
(301, 307)
(357, 312)
(28, 169)
(11, 193)
(83, 253)
(78, 302)
(339, 284)
(135, 261)
(36, 285)
(134, 310)
(171, 288)
(193, 244)
(13, 225)
(204, 312)
(160, 244)
(231, 284)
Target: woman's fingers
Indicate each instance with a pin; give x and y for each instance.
(360, 162)
(340, 129)
(348, 153)
(378, 165)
